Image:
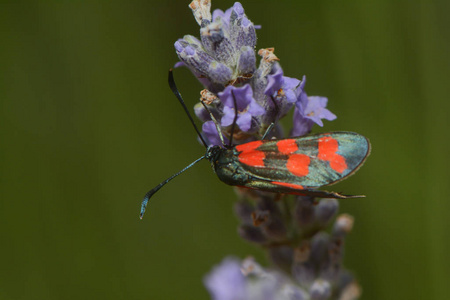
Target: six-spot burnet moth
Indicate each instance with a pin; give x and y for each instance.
(297, 165)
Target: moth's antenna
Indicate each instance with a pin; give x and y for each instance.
(230, 144)
(177, 94)
(156, 188)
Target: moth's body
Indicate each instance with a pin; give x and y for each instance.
(295, 165)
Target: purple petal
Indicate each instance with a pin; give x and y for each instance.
(244, 121)
(228, 116)
(316, 111)
(274, 82)
(291, 96)
(302, 102)
(243, 95)
(179, 45)
(328, 115)
(179, 64)
(210, 132)
(290, 83)
(289, 87)
(302, 98)
(302, 125)
(315, 119)
(255, 109)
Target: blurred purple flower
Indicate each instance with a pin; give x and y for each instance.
(246, 280)
(226, 281)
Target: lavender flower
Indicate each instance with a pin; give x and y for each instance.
(226, 282)
(246, 105)
(246, 280)
(224, 61)
(310, 110)
(306, 259)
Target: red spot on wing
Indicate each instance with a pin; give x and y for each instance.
(249, 155)
(298, 164)
(328, 148)
(287, 146)
(289, 185)
(252, 158)
(249, 146)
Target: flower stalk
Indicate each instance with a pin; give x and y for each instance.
(245, 97)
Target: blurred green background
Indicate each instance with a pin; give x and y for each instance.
(88, 125)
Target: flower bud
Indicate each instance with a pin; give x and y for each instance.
(274, 229)
(343, 225)
(219, 73)
(320, 290)
(246, 34)
(252, 234)
(282, 257)
(247, 61)
(325, 211)
(217, 44)
(244, 210)
(319, 247)
(304, 273)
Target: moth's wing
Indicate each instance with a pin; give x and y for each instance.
(295, 189)
(310, 161)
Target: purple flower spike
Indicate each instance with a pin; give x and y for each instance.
(226, 281)
(307, 258)
(246, 105)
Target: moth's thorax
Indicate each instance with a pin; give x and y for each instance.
(225, 165)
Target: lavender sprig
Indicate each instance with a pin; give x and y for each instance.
(307, 260)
